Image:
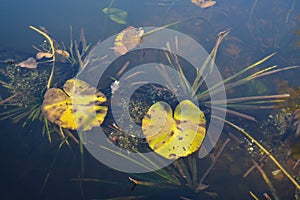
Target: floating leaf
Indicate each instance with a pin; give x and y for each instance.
(127, 39)
(174, 136)
(75, 112)
(115, 14)
(130, 37)
(29, 63)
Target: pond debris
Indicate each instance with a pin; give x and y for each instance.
(62, 55)
(29, 63)
(41, 55)
(296, 122)
(267, 180)
(267, 196)
(114, 86)
(201, 185)
(203, 3)
(127, 39)
(263, 150)
(148, 183)
(130, 37)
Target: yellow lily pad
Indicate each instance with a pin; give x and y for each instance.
(82, 111)
(174, 136)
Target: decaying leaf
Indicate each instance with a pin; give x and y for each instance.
(127, 39)
(207, 4)
(197, 2)
(76, 106)
(41, 55)
(203, 3)
(30, 63)
(62, 55)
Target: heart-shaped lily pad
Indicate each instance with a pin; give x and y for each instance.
(174, 136)
(77, 106)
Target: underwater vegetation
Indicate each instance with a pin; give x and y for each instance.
(174, 129)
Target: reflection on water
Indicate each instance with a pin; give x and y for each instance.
(34, 168)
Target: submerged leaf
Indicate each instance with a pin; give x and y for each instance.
(115, 14)
(75, 112)
(117, 19)
(174, 136)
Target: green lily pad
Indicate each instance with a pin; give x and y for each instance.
(115, 14)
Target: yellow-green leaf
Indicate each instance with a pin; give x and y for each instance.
(174, 136)
(77, 106)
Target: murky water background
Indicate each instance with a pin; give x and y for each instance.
(27, 156)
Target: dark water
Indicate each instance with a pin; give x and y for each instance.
(258, 28)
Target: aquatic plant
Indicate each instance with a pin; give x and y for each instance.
(178, 136)
(183, 172)
(28, 86)
(72, 108)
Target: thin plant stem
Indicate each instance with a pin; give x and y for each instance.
(289, 12)
(251, 11)
(8, 99)
(267, 180)
(155, 184)
(253, 195)
(168, 25)
(200, 185)
(250, 98)
(204, 94)
(253, 167)
(180, 165)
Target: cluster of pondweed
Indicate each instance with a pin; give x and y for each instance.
(131, 139)
(125, 140)
(25, 84)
